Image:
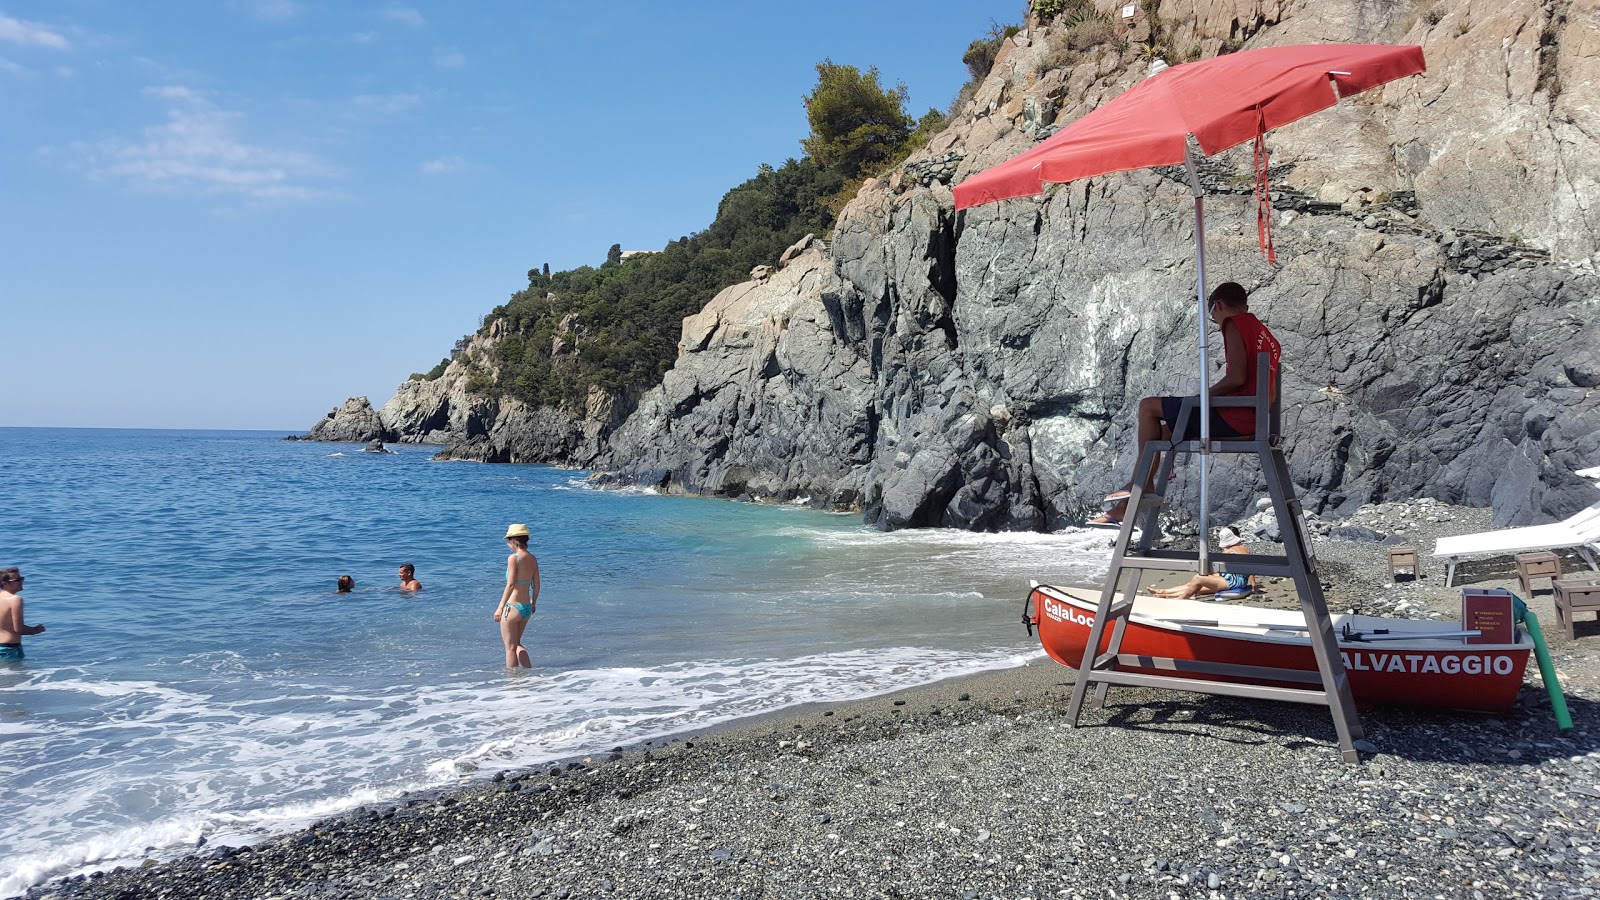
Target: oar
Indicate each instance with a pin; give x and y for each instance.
(1383, 634)
(1213, 623)
(1361, 637)
(1358, 637)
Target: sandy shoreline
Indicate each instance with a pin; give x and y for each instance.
(976, 787)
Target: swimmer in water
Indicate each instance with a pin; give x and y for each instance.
(346, 584)
(11, 626)
(518, 600)
(408, 578)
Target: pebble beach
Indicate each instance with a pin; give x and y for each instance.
(978, 787)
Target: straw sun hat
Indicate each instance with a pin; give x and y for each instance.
(517, 530)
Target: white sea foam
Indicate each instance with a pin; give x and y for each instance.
(1074, 552)
(241, 776)
(641, 490)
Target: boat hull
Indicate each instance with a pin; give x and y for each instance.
(1410, 672)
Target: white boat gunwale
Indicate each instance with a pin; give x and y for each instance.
(1266, 626)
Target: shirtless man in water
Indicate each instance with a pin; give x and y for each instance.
(408, 578)
(11, 626)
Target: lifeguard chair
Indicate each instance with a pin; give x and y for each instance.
(1328, 686)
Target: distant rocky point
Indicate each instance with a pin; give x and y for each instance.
(355, 422)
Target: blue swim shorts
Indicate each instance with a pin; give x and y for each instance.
(1236, 582)
(9, 653)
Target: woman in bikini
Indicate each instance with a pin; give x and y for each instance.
(518, 600)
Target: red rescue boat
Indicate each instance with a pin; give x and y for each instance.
(1391, 662)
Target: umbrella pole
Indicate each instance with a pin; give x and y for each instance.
(1205, 382)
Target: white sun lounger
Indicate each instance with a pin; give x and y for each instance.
(1580, 532)
(1588, 473)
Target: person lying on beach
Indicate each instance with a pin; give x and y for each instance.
(519, 599)
(1203, 585)
(408, 578)
(11, 625)
(346, 584)
(1243, 336)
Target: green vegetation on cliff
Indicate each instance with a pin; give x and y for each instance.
(616, 327)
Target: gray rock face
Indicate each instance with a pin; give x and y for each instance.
(771, 397)
(355, 421)
(1435, 297)
(510, 431)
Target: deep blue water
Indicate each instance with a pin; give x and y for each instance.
(200, 677)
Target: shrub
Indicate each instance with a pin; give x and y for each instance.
(432, 373)
(980, 56)
(1050, 10)
(1059, 58)
(480, 381)
(981, 53)
(855, 123)
(1088, 32)
(931, 123)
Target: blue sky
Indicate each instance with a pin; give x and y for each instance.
(234, 214)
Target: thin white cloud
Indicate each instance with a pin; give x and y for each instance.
(444, 165)
(31, 34)
(405, 15)
(197, 149)
(387, 103)
(449, 59)
(18, 70)
(175, 92)
(274, 10)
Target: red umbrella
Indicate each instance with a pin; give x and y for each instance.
(1221, 103)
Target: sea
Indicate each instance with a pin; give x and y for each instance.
(200, 682)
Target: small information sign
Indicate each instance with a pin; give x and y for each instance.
(1490, 612)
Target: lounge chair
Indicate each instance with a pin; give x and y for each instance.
(1580, 532)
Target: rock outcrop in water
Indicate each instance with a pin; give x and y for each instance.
(355, 421)
(1436, 297)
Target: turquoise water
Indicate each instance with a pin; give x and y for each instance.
(200, 677)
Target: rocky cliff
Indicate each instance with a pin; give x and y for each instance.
(1435, 294)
